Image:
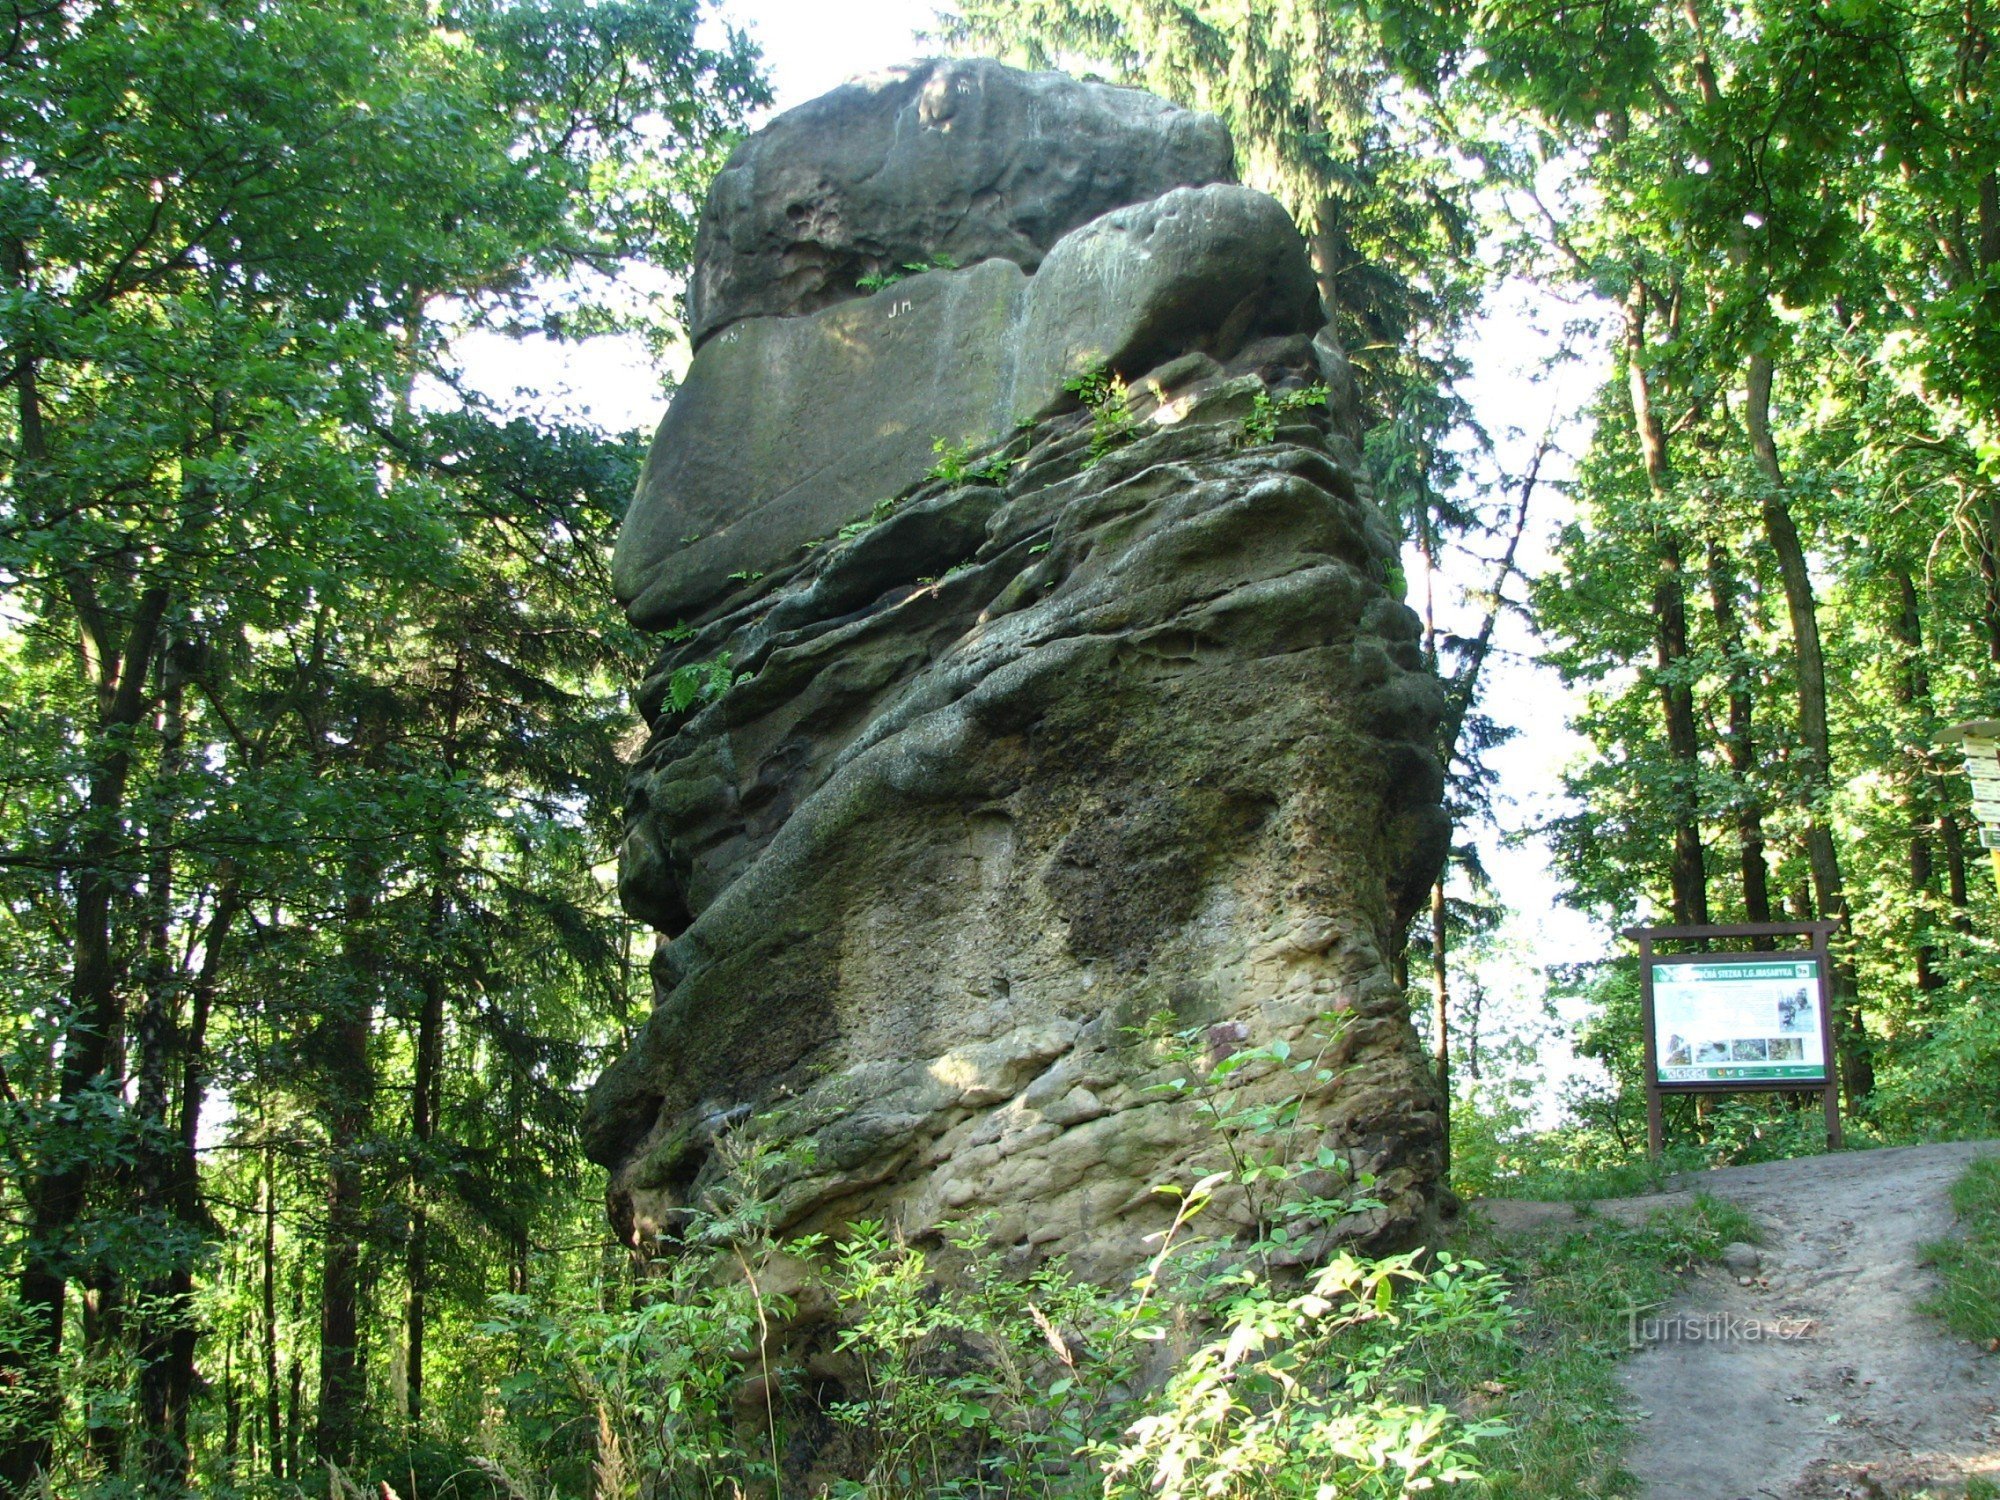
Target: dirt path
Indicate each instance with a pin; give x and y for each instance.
(1820, 1380)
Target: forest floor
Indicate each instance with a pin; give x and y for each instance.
(1810, 1373)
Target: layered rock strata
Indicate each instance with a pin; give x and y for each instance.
(962, 783)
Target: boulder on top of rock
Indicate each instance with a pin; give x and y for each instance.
(787, 429)
(1206, 269)
(945, 160)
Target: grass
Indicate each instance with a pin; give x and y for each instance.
(1625, 1179)
(1968, 1264)
(1554, 1383)
(1542, 1166)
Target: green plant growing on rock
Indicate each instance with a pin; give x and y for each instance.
(1104, 395)
(1261, 426)
(875, 281)
(919, 1408)
(1272, 1149)
(698, 682)
(882, 511)
(967, 1377)
(955, 466)
(988, 1384)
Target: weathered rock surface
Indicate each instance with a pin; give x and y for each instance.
(955, 158)
(787, 429)
(1134, 726)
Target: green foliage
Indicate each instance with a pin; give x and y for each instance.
(973, 1381)
(875, 281)
(881, 511)
(308, 680)
(1299, 1395)
(1261, 426)
(1968, 1264)
(958, 1375)
(698, 682)
(955, 465)
(1364, 1377)
(1102, 392)
(1292, 1181)
(1800, 578)
(616, 1397)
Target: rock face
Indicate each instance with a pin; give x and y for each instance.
(958, 159)
(961, 357)
(966, 778)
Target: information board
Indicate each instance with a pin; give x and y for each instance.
(1730, 1019)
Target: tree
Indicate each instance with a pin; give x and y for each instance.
(235, 239)
(1746, 185)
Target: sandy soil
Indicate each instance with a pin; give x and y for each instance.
(1819, 1380)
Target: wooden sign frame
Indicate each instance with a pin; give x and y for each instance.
(1820, 934)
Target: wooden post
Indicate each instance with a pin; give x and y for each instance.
(1830, 1095)
(1656, 1120)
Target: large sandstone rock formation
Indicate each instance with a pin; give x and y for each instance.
(955, 781)
(964, 161)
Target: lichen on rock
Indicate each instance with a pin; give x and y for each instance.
(1113, 714)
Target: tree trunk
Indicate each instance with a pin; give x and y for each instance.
(1740, 744)
(93, 1035)
(1687, 872)
(104, 1374)
(349, 1080)
(1441, 1015)
(1913, 696)
(1986, 549)
(427, 1090)
(1475, 1007)
(423, 1123)
(171, 1178)
(1440, 949)
(232, 1411)
(273, 1397)
(295, 1415)
(1953, 839)
(1856, 1064)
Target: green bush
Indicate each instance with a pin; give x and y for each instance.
(1103, 393)
(1223, 1371)
(1261, 426)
